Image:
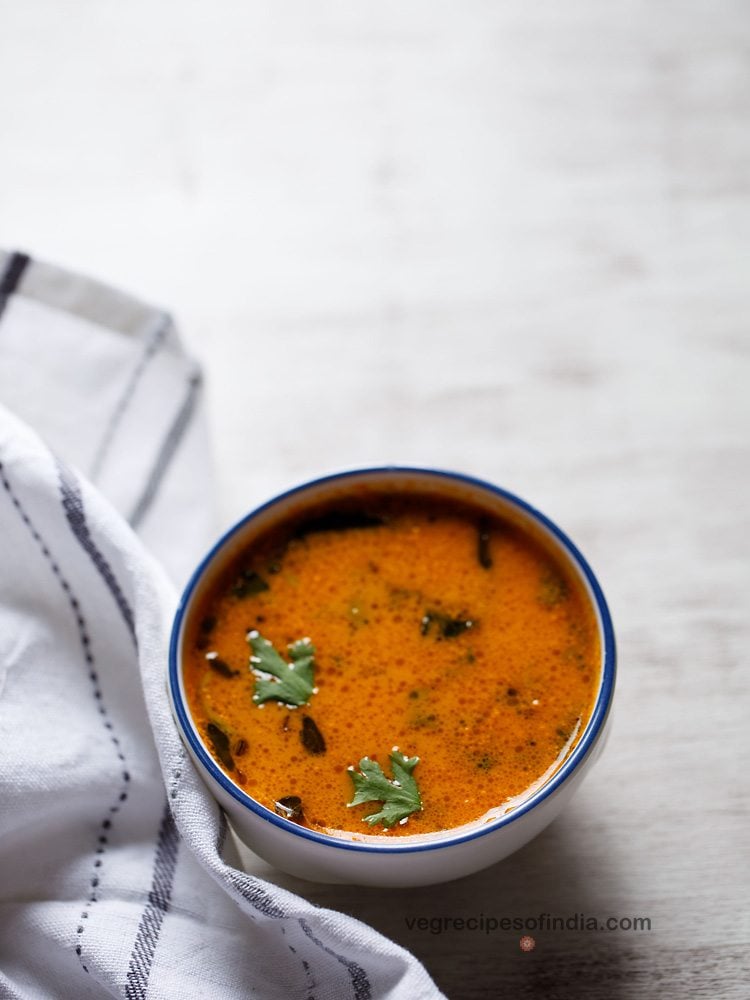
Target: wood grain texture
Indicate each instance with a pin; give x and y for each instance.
(511, 239)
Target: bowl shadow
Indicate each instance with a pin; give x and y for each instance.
(468, 933)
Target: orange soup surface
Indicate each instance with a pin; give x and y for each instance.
(438, 628)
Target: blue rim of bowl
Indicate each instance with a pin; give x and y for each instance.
(578, 755)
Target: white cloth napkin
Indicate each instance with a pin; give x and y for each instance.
(117, 877)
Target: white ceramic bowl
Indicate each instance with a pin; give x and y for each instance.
(420, 859)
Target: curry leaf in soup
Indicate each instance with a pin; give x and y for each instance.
(338, 520)
(312, 739)
(220, 666)
(220, 745)
(290, 807)
(294, 681)
(248, 584)
(484, 553)
(446, 627)
(399, 795)
(552, 589)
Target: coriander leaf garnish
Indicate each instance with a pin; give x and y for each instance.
(294, 683)
(399, 795)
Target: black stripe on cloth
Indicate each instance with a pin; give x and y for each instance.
(360, 982)
(250, 890)
(17, 264)
(177, 774)
(72, 502)
(149, 928)
(167, 450)
(152, 346)
(310, 978)
(258, 898)
(83, 634)
(223, 831)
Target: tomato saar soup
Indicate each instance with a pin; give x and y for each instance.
(392, 663)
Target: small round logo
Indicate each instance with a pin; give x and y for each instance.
(527, 943)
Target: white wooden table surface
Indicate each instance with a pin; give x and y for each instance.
(511, 239)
